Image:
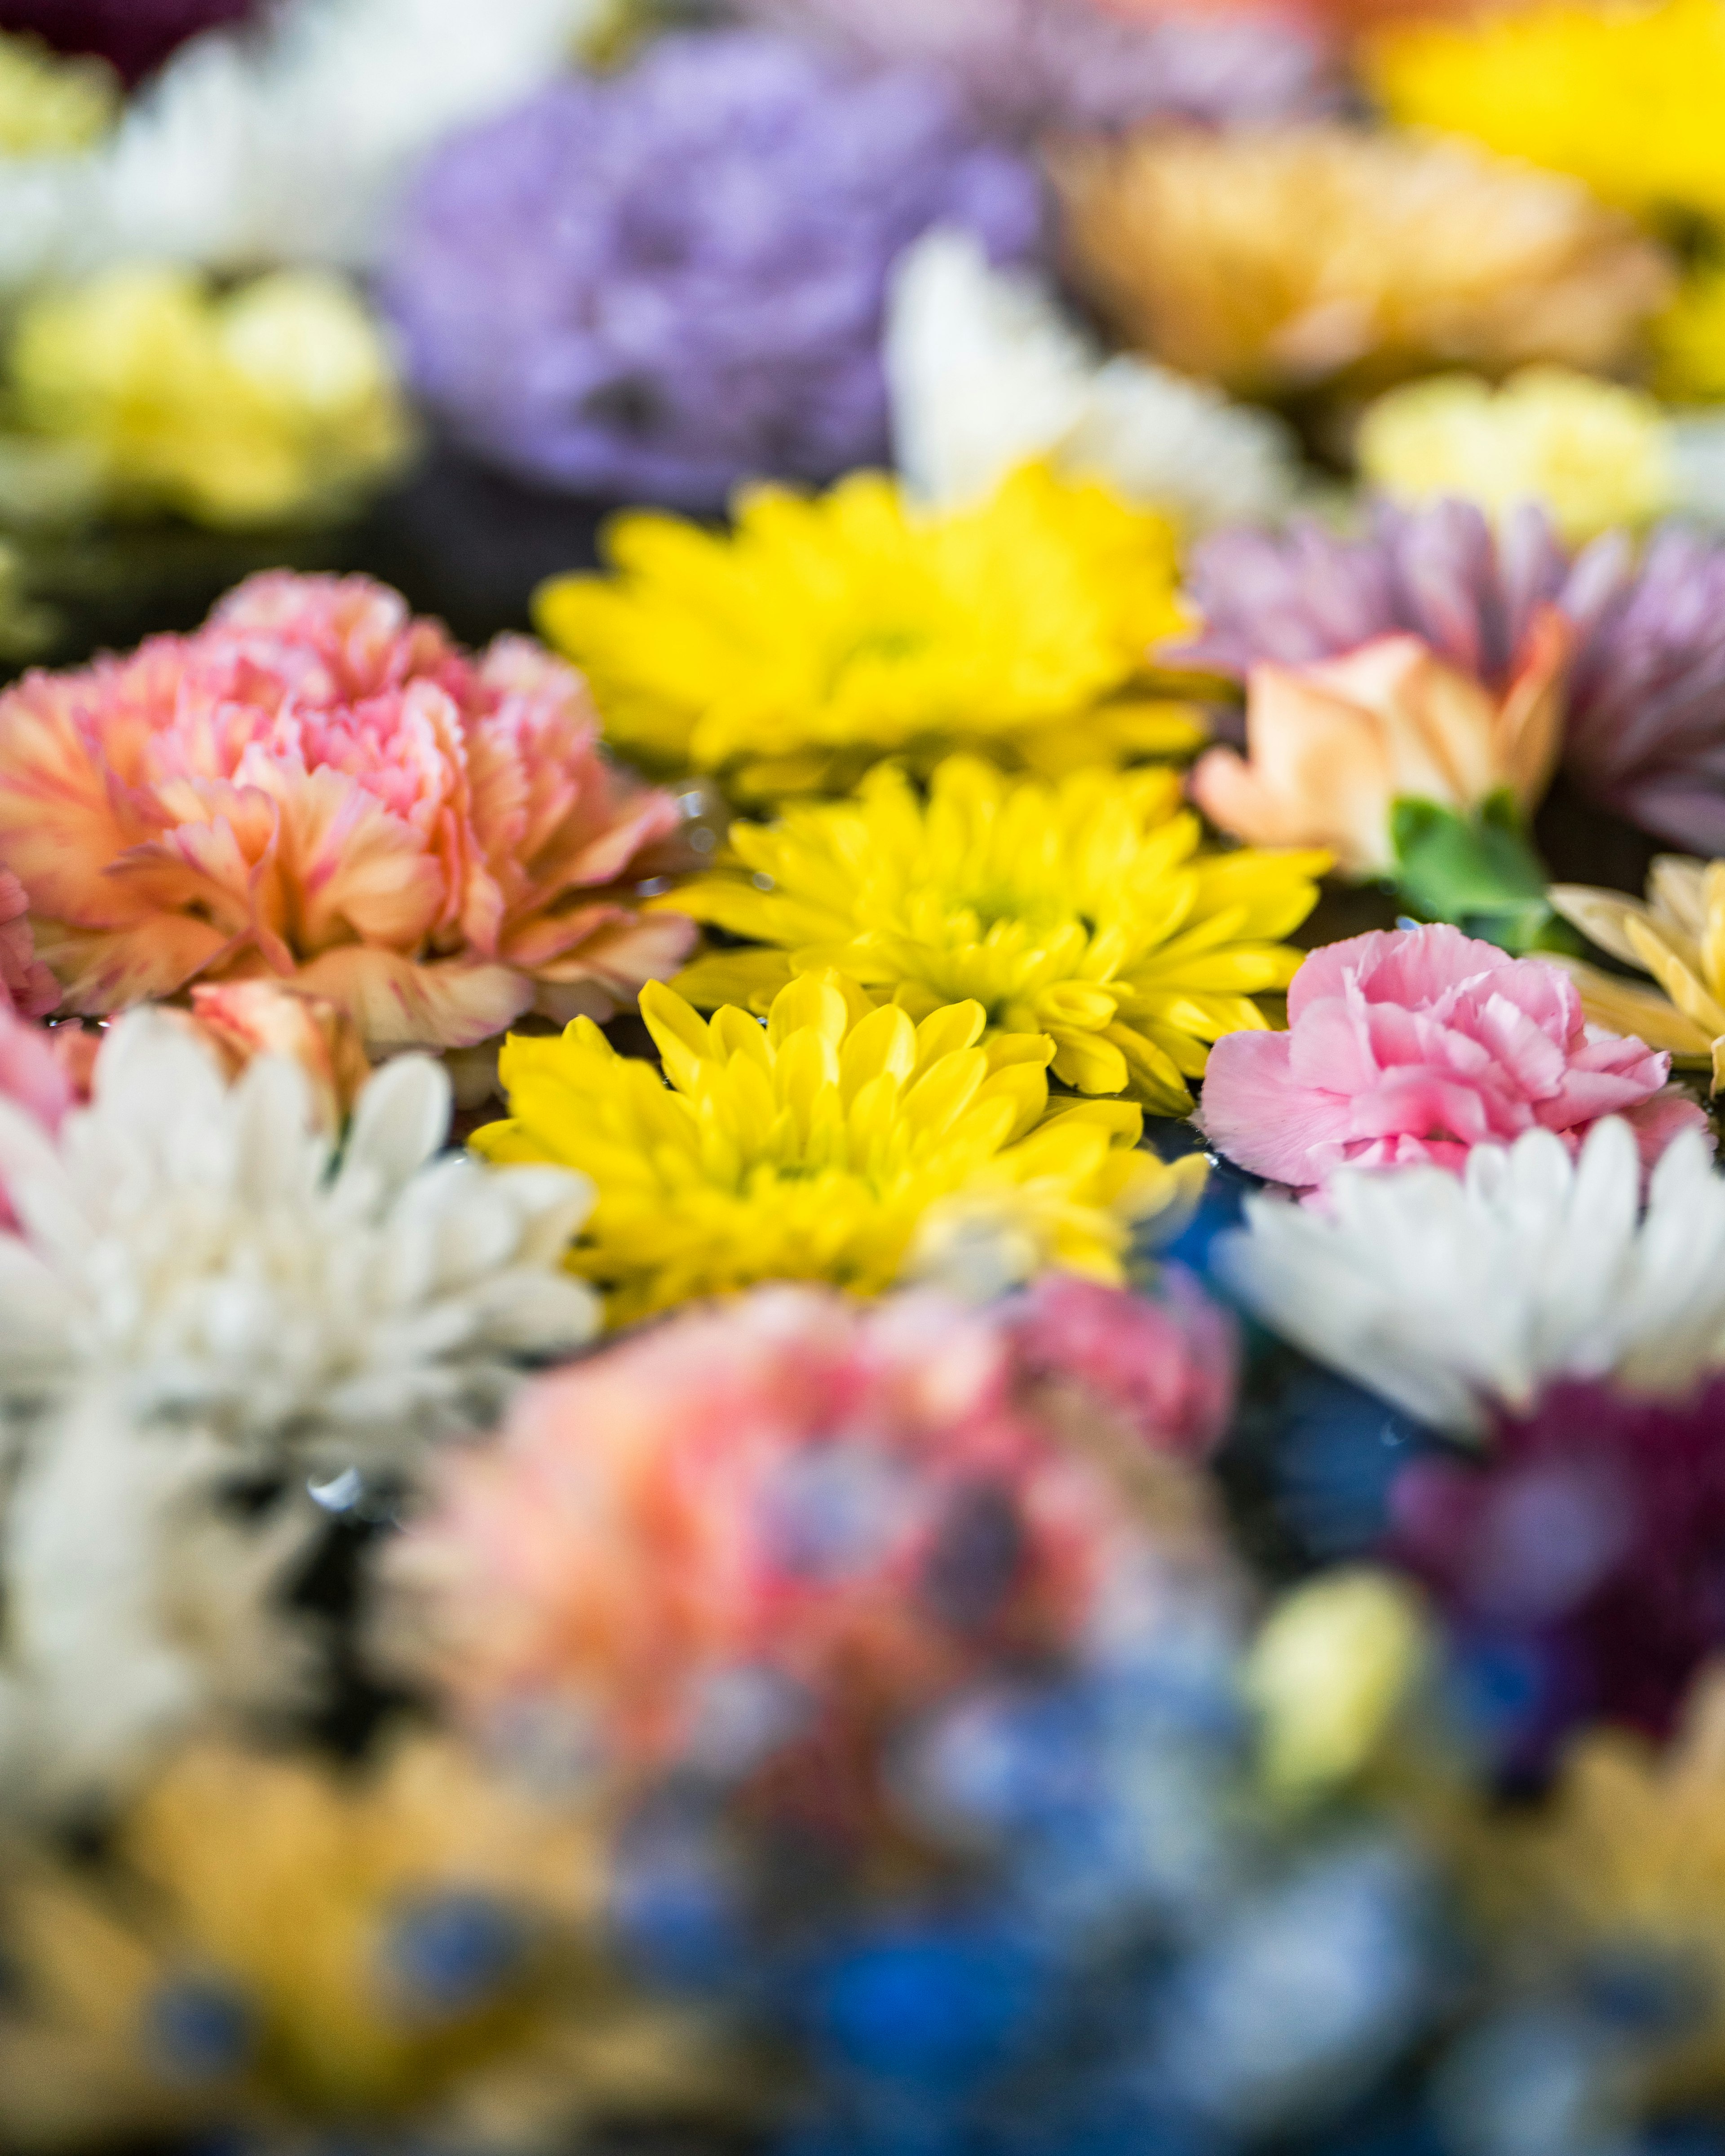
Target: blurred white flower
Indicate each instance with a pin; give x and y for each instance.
(986, 372)
(1447, 1294)
(194, 1246)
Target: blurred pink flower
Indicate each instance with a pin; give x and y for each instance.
(244, 1019)
(26, 984)
(320, 787)
(850, 1508)
(1417, 1045)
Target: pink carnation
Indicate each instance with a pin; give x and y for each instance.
(26, 984)
(850, 1508)
(318, 787)
(1419, 1045)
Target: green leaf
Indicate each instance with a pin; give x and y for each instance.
(1479, 871)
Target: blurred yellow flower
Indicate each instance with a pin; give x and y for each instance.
(1081, 908)
(821, 635)
(1678, 936)
(839, 1142)
(1689, 339)
(1595, 454)
(1276, 259)
(1627, 97)
(275, 400)
(50, 106)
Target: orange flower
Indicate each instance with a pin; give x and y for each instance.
(1332, 746)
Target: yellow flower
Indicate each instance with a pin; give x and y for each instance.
(1625, 97)
(1594, 453)
(824, 634)
(50, 106)
(1678, 936)
(272, 401)
(1276, 259)
(840, 1142)
(1080, 908)
(1689, 339)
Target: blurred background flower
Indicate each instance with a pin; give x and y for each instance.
(1678, 936)
(133, 36)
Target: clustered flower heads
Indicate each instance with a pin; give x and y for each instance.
(673, 280)
(317, 787)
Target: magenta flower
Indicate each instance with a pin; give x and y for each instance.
(1417, 1045)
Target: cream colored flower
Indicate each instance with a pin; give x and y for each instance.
(1678, 936)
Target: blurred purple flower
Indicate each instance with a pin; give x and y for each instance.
(135, 35)
(1590, 1540)
(1026, 65)
(1645, 731)
(662, 283)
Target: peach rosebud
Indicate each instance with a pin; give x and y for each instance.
(1331, 747)
(241, 1019)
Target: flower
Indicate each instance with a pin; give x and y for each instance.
(26, 984)
(134, 36)
(1335, 746)
(1415, 1046)
(1453, 1296)
(986, 372)
(1689, 339)
(1081, 909)
(194, 1248)
(50, 107)
(272, 401)
(319, 788)
(1643, 733)
(1593, 1529)
(1028, 67)
(662, 283)
(752, 1528)
(1625, 98)
(1278, 259)
(1678, 936)
(244, 1019)
(820, 636)
(836, 1143)
(1594, 453)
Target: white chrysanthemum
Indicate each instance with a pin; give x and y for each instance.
(1446, 1294)
(986, 372)
(192, 1244)
(284, 144)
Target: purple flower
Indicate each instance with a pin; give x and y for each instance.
(1646, 727)
(666, 282)
(135, 35)
(1587, 1545)
(1025, 66)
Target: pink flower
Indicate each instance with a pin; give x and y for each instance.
(244, 1019)
(1419, 1045)
(854, 1507)
(26, 984)
(318, 788)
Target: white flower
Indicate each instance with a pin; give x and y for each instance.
(286, 143)
(192, 1246)
(986, 373)
(1447, 1294)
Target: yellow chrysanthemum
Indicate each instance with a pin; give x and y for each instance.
(271, 401)
(1625, 97)
(50, 106)
(839, 1142)
(1595, 454)
(1689, 340)
(1082, 909)
(822, 635)
(1678, 936)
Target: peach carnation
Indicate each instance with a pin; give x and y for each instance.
(1417, 1045)
(318, 787)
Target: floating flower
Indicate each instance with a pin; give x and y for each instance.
(1625, 98)
(1279, 259)
(1026, 67)
(197, 1249)
(1334, 747)
(50, 107)
(1082, 909)
(662, 283)
(1457, 1296)
(1678, 936)
(272, 401)
(1646, 727)
(319, 788)
(987, 372)
(1593, 454)
(1417, 1046)
(755, 1526)
(820, 636)
(838, 1142)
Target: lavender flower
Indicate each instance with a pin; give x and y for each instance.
(1024, 66)
(135, 35)
(667, 281)
(1645, 729)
